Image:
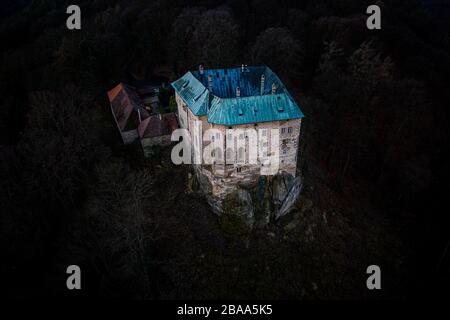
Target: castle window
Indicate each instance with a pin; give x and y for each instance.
(219, 153)
(216, 154)
(290, 130)
(283, 130)
(241, 154)
(229, 155)
(238, 169)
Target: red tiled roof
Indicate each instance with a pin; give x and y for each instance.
(158, 125)
(126, 106)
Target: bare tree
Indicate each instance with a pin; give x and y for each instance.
(60, 143)
(208, 37)
(121, 227)
(277, 48)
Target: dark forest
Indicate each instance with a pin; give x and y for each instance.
(374, 151)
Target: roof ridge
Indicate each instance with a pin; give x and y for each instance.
(263, 96)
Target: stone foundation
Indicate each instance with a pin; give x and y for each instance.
(247, 205)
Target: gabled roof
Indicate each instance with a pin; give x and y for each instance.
(221, 104)
(158, 125)
(127, 107)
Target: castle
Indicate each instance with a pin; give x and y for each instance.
(245, 98)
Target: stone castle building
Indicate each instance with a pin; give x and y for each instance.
(242, 98)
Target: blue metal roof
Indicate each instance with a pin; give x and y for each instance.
(225, 81)
(193, 93)
(221, 104)
(269, 107)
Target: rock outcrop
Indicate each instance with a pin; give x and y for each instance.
(252, 204)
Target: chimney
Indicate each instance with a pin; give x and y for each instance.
(238, 92)
(263, 78)
(210, 83)
(274, 88)
(201, 69)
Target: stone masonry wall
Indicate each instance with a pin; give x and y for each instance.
(147, 143)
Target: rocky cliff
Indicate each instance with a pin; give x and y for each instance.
(252, 204)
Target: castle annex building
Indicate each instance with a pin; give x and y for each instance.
(238, 98)
(135, 111)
